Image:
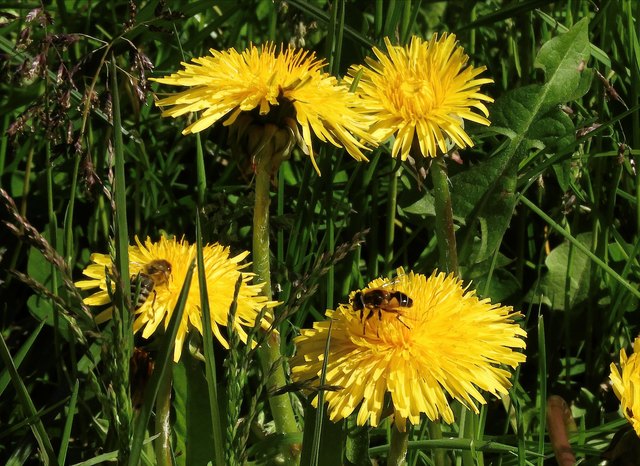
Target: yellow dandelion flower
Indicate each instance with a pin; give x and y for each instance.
(169, 260)
(287, 89)
(421, 94)
(626, 386)
(429, 337)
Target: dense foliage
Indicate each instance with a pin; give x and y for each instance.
(546, 206)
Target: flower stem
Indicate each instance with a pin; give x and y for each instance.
(357, 448)
(435, 433)
(444, 216)
(163, 420)
(269, 352)
(398, 448)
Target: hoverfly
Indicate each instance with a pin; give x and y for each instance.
(379, 300)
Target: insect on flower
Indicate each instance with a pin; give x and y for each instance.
(379, 300)
(155, 273)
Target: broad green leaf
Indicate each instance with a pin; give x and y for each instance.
(532, 120)
(499, 283)
(40, 270)
(566, 283)
(194, 437)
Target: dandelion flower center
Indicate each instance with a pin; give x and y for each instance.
(422, 94)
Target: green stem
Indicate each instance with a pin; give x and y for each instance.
(163, 420)
(445, 231)
(435, 433)
(281, 408)
(398, 448)
(357, 448)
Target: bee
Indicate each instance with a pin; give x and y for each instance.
(155, 273)
(379, 300)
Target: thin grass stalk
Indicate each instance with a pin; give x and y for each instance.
(209, 354)
(542, 390)
(317, 433)
(469, 430)
(392, 200)
(405, 24)
(398, 447)
(123, 330)
(337, 56)
(162, 444)
(66, 431)
(334, 35)
(410, 21)
(53, 236)
(280, 213)
(331, 237)
(490, 446)
(269, 352)
(599, 262)
(68, 218)
(4, 142)
(378, 18)
(236, 371)
(201, 186)
(374, 255)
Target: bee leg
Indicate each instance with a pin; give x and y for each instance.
(153, 303)
(364, 320)
(400, 320)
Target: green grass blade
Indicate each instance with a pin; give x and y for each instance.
(5, 377)
(123, 330)
(201, 187)
(109, 457)
(608, 270)
(37, 427)
(315, 448)
(66, 432)
(542, 389)
(209, 355)
(163, 363)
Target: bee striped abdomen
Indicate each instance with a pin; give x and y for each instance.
(142, 286)
(155, 273)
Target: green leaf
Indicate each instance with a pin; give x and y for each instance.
(532, 120)
(566, 283)
(194, 436)
(40, 270)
